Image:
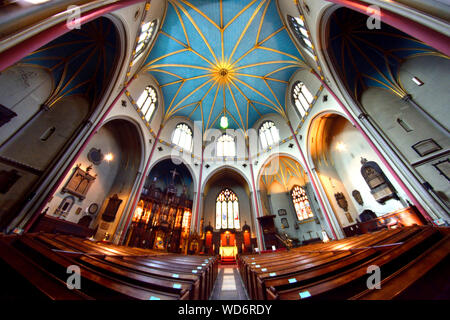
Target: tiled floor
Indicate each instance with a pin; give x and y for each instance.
(229, 285)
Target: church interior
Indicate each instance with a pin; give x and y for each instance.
(224, 150)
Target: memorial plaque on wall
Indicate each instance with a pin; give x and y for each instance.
(111, 209)
(379, 185)
(79, 183)
(444, 168)
(426, 147)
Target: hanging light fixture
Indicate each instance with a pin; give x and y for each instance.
(224, 122)
(224, 118)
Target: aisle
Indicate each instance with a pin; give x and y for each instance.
(229, 285)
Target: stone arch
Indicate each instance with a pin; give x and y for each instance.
(336, 150)
(222, 178)
(216, 170)
(180, 160)
(80, 100)
(271, 158)
(114, 177)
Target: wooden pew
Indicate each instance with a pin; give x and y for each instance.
(186, 281)
(49, 285)
(302, 262)
(194, 279)
(143, 279)
(397, 283)
(94, 283)
(178, 267)
(293, 276)
(346, 284)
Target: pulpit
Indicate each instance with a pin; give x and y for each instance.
(268, 226)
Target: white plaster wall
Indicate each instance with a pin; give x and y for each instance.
(23, 89)
(284, 201)
(27, 146)
(355, 139)
(106, 173)
(385, 108)
(433, 95)
(439, 182)
(348, 165)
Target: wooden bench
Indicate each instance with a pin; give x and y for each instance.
(295, 275)
(133, 276)
(397, 283)
(46, 283)
(166, 272)
(176, 266)
(346, 284)
(94, 283)
(301, 261)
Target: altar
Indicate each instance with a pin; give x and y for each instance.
(228, 248)
(228, 251)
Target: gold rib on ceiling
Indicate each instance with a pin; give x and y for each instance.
(276, 105)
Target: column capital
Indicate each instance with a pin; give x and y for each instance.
(45, 107)
(363, 116)
(407, 97)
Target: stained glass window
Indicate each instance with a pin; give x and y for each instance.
(225, 146)
(299, 29)
(147, 103)
(182, 136)
(268, 134)
(301, 203)
(147, 32)
(227, 210)
(301, 98)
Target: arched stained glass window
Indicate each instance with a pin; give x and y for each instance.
(182, 136)
(147, 31)
(147, 102)
(268, 134)
(226, 146)
(299, 29)
(301, 203)
(301, 97)
(227, 210)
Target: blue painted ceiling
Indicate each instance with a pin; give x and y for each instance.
(80, 61)
(223, 56)
(371, 57)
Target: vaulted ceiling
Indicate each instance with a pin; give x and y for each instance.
(371, 57)
(221, 57)
(80, 62)
(280, 170)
